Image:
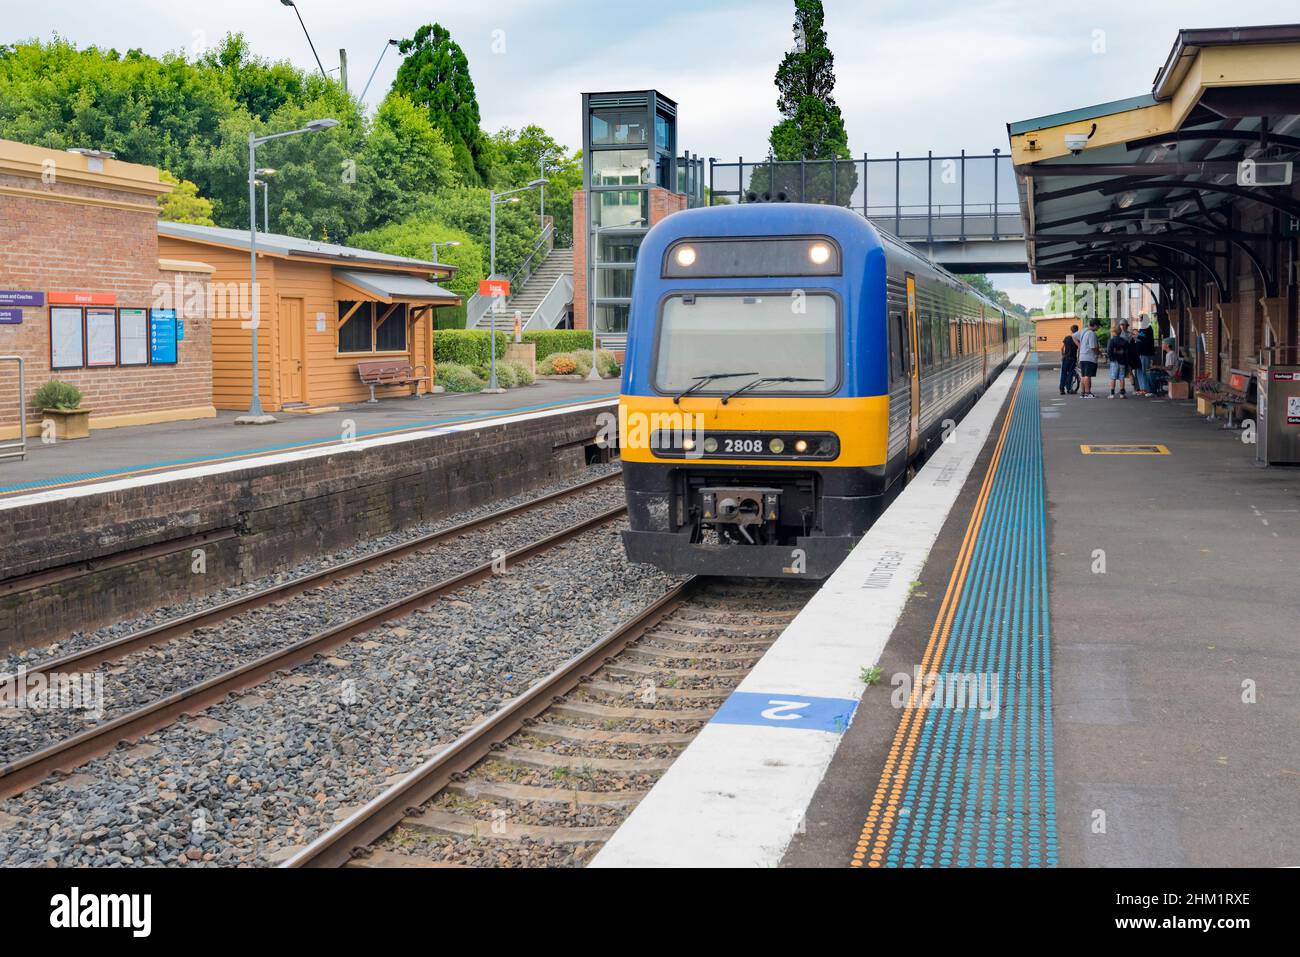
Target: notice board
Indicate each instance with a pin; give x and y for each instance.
(133, 333)
(67, 347)
(101, 337)
(162, 337)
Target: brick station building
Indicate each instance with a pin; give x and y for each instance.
(82, 292)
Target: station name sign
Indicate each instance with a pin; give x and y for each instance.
(494, 287)
(83, 298)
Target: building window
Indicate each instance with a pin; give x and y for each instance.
(391, 336)
(612, 318)
(614, 282)
(360, 334)
(619, 128)
(622, 207)
(663, 132)
(620, 167)
(355, 335)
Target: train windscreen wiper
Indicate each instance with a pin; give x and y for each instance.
(757, 382)
(702, 380)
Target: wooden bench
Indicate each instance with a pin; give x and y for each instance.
(381, 372)
(1234, 397)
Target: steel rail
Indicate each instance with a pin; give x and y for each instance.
(35, 767)
(91, 658)
(366, 825)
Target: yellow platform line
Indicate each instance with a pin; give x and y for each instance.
(881, 815)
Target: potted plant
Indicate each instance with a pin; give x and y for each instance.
(60, 402)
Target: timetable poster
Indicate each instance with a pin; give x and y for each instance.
(101, 337)
(133, 328)
(67, 348)
(162, 337)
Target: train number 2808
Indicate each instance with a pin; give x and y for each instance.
(742, 446)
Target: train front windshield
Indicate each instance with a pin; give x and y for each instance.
(782, 335)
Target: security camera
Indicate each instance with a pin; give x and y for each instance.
(1076, 143)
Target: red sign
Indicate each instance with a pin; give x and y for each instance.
(83, 298)
(494, 287)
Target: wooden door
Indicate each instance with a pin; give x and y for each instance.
(293, 369)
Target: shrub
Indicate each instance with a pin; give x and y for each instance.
(609, 367)
(563, 365)
(458, 378)
(57, 395)
(553, 341)
(523, 374)
(466, 347)
(506, 376)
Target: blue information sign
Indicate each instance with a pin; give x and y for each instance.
(11, 316)
(21, 297)
(162, 337)
(801, 712)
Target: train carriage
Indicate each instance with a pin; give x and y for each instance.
(787, 366)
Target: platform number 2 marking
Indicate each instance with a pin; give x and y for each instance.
(784, 710)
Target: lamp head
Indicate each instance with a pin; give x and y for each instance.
(315, 126)
(287, 3)
(536, 183)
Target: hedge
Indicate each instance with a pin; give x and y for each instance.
(466, 347)
(551, 341)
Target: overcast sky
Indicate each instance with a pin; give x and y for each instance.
(913, 75)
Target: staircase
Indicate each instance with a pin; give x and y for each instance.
(534, 292)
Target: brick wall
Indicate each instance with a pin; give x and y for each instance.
(51, 245)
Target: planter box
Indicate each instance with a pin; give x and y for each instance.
(73, 424)
(525, 353)
(1204, 406)
(1180, 390)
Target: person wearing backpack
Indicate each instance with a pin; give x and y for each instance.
(1069, 358)
(1117, 353)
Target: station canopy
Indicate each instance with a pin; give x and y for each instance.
(1142, 189)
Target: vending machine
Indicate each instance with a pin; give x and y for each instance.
(1278, 432)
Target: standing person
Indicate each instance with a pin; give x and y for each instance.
(1134, 361)
(1089, 356)
(1147, 355)
(1117, 353)
(1069, 358)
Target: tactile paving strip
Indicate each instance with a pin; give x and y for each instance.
(969, 780)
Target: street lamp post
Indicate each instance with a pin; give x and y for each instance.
(510, 196)
(290, 3)
(265, 175)
(594, 374)
(255, 415)
(436, 245)
(390, 43)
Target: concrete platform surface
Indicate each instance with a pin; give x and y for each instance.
(135, 450)
(1174, 601)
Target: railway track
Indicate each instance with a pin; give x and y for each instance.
(547, 779)
(27, 770)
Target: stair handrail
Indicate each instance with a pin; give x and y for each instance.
(525, 271)
(557, 297)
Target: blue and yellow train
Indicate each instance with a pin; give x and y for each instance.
(787, 366)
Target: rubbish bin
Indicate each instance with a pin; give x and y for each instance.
(1278, 429)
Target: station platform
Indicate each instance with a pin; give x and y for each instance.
(1115, 646)
(155, 449)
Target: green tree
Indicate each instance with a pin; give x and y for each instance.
(517, 158)
(434, 74)
(812, 127)
(408, 158)
(184, 204)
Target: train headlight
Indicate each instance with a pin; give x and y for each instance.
(710, 445)
(820, 254)
(777, 446)
(688, 445)
(801, 446)
(686, 256)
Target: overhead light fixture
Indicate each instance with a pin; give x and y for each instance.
(1127, 199)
